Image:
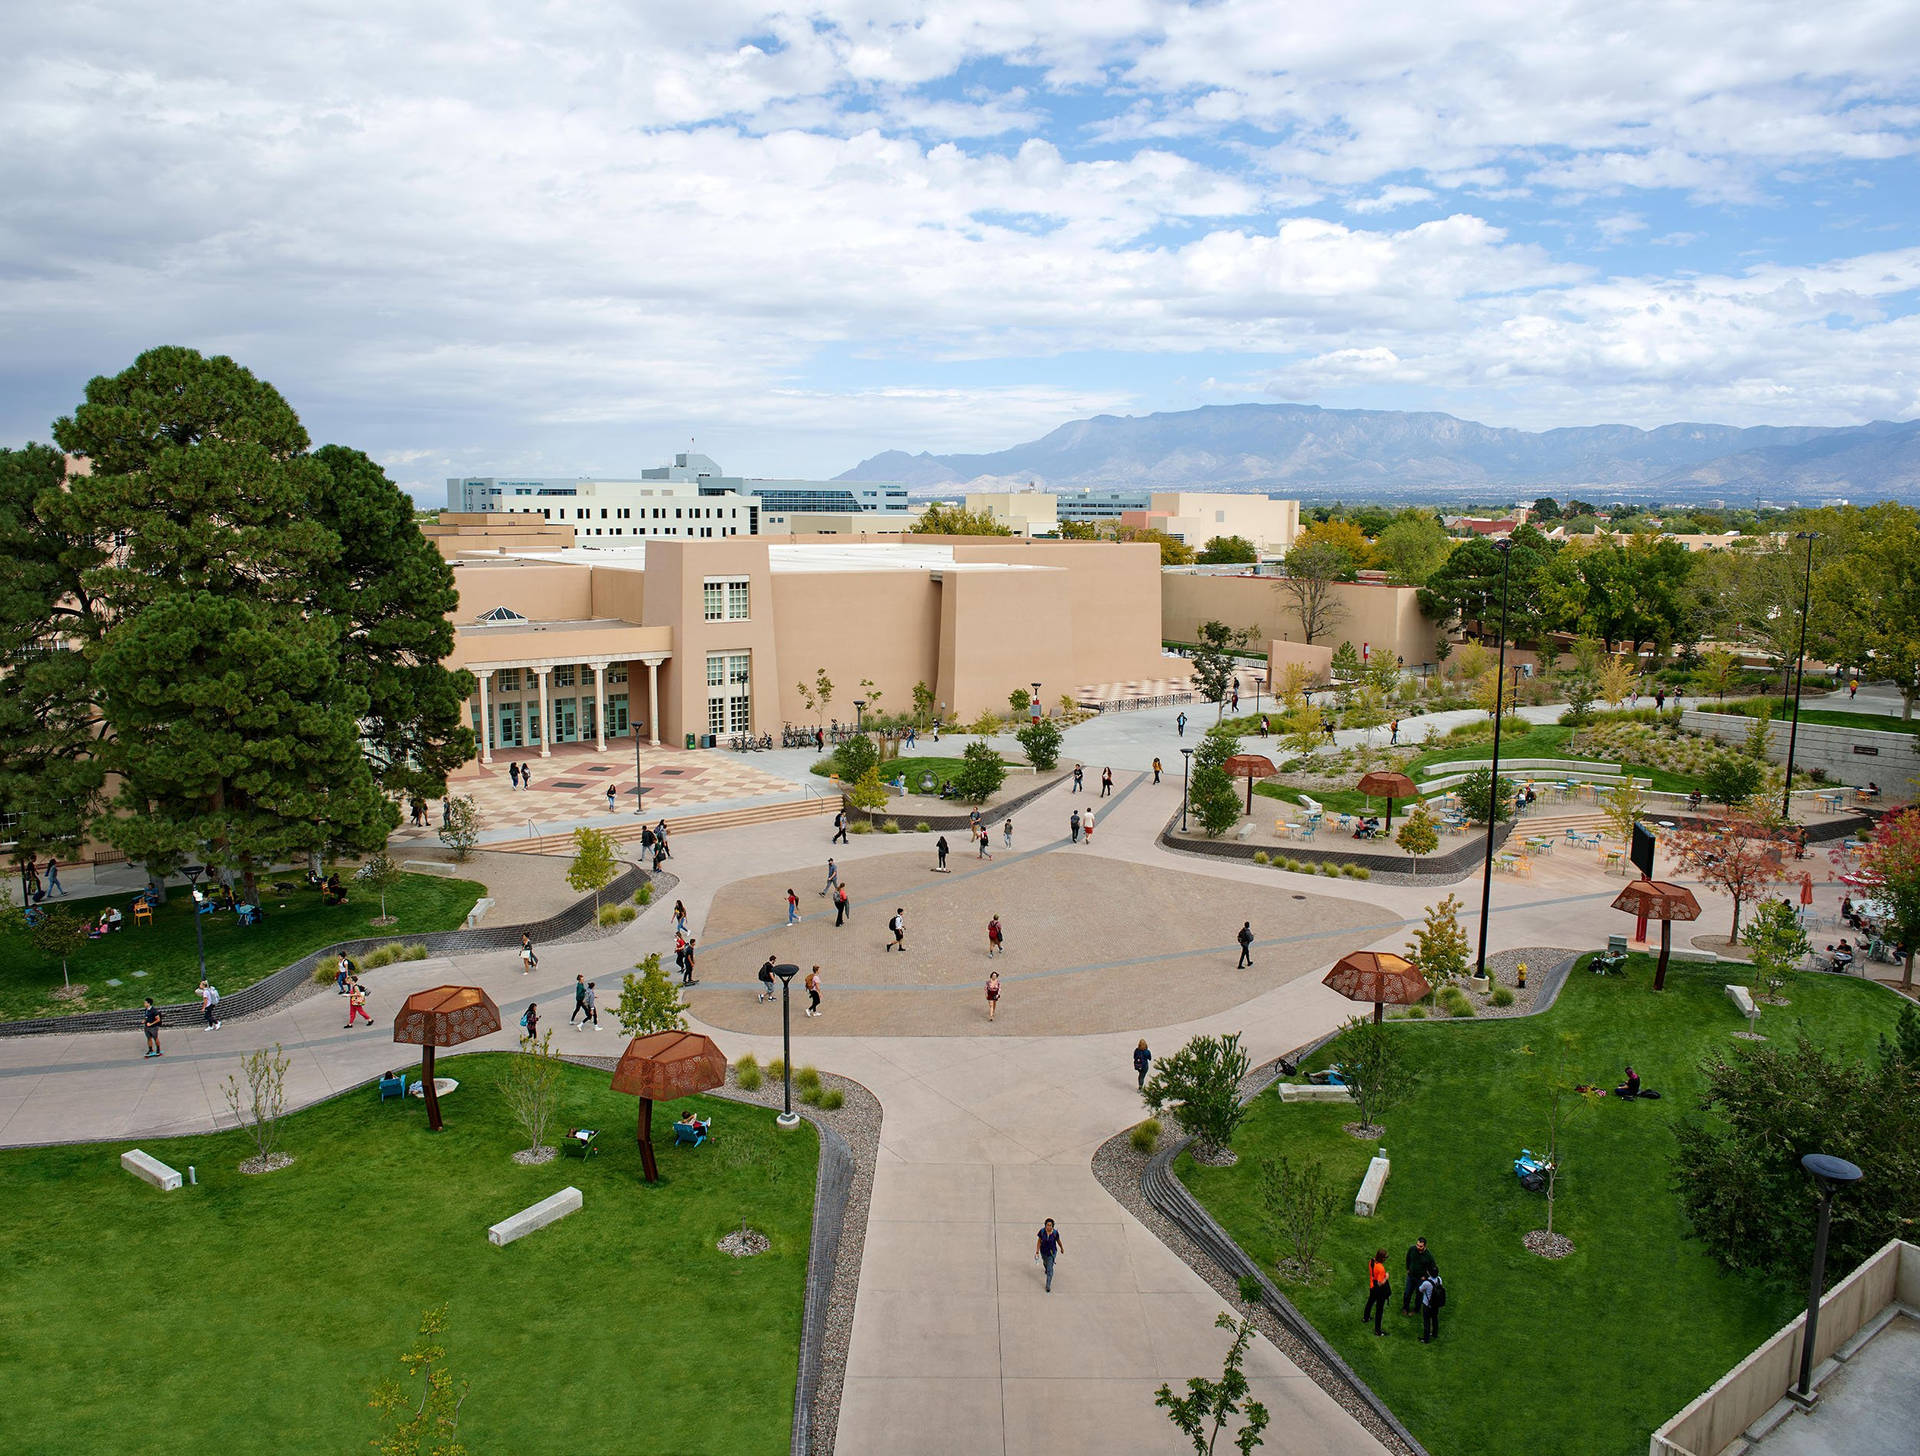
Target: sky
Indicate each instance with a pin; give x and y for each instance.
(568, 238)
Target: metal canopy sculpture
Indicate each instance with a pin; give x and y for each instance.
(1659, 900)
(442, 1017)
(1389, 786)
(1378, 976)
(1249, 766)
(661, 1066)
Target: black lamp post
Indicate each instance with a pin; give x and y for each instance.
(1186, 785)
(193, 873)
(1505, 548)
(858, 705)
(1830, 1175)
(786, 971)
(1798, 679)
(639, 789)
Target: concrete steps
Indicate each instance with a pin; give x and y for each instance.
(808, 808)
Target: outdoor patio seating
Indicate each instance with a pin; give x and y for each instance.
(691, 1134)
(394, 1084)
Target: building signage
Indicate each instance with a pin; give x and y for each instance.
(1868, 750)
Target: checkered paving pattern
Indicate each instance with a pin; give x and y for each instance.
(572, 784)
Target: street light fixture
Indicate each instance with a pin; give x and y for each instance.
(1798, 680)
(639, 788)
(858, 705)
(1830, 1175)
(1505, 548)
(1186, 785)
(786, 971)
(193, 873)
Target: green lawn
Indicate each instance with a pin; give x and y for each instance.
(255, 1314)
(1832, 717)
(237, 956)
(1588, 1355)
(1547, 740)
(912, 765)
(1334, 801)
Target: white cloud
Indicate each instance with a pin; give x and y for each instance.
(1391, 199)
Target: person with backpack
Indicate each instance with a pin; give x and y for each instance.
(529, 1023)
(1420, 1263)
(839, 827)
(842, 911)
(1433, 1298)
(898, 925)
(579, 1000)
(209, 998)
(357, 1004)
(812, 984)
(593, 1009)
(1142, 1059)
(995, 937)
(1073, 827)
(940, 849)
(646, 839)
(1245, 937)
(1379, 1291)
(766, 981)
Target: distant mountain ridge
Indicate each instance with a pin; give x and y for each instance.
(1303, 448)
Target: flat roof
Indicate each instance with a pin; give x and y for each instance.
(528, 624)
(799, 556)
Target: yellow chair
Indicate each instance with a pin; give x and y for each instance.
(143, 913)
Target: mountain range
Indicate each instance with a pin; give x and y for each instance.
(1307, 450)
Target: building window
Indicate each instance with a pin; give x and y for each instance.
(729, 692)
(617, 672)
(726, 599)
(563, 675)
(507, 680)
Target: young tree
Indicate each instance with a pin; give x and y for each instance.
(1041, 742)
(1216, 801)
(1623, 804)
(1019, 700)
(1439, 945)
(1893, 853)
(1213, 659)
(1580, 682)
(1730, 778)
(1203, 1412)
(261, 1103)
(922, 704)
(1313, 568)
(854, 757)
(1618, 674)
(1372, 1063)
(460, 830)
(868, 792)
(1562, 1103)
(1346, 671)
(1200, 1084)
(1735, 857)
(1417, 835)
(429, 1425)
(1478, 800)
(1303, 729)
(649, 1001)
(981, 773)
(379, 873)
(1292, 684)
(986, 725)
(1228, 550)
(956, 520)
(1367, 711)
(594, 865)
(530, 1086)
(1718, 673)
(1778, 944)
(55, 931)
(872, 696)
(1299, 1205)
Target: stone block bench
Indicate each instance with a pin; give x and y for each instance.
(1372, 1186)
(1741, 1000)
(546, 1211)
(150, 1169)
(1296, 1092)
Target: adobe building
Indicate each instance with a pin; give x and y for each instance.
(1376, 617)
(677, 639)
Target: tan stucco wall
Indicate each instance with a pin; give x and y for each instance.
(828, 620)
(1385, 618)
(618, 643)
(618, 592)
(1001, 630)
(677, 571)
(458, 531)
(541, 591)
(1113, 597)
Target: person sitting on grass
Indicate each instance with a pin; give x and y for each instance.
(332, 892)
(1631, 1087)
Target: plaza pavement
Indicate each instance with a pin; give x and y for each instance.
(955, 1348)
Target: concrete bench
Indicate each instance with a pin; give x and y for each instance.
(151, 1170)
(1372, 1186)
(478, 912)
(1743, 1002)
(1295, 1092)
(1245, 831)
(1688, 953)
(546, 1211)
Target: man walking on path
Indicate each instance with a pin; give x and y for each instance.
(1393, 728)
(593, 1008)
(660, 847)
(940, 848)
(513, 773)
(793, 907)
(150, 1024)
(579, 999)
(1378, 1291)
(1181, 723)
(766, 981)
(985, 840)
(813, 991)
(993, 937)
(833, 877)
(840, 910)
(898, 925)
(1433, 1294)
(1006, 834)
(209, 998)
(1420, 1263)
(1046, 1248)
(1073, 827)
(1156, 768)
(839, 827)
(1142, 1059)
(357, 1004)
(1106, 783)
(1086, 827)
(686, 965)
(1079, 778)
(1246, 945)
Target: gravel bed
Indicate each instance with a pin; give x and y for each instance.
(858, 1121)
(1501, 972)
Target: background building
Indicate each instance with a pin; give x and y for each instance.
(1193, 517)
(1025, 512)
(600, 510)
(1375, 617)
(779, 498)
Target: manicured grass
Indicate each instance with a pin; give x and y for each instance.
(1334, 801)
(237, 956)
(1546, 740)
(1832, 717)
(912, 765)
(1584, 1356)
(252, 1314)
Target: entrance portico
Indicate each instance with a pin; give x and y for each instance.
(529, 679)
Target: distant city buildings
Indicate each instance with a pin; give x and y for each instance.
(1191, 517)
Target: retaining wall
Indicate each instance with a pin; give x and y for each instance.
(1848, 755)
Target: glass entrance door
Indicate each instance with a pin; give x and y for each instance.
(509, 733)
(566, 721)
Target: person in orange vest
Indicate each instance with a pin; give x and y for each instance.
(1379, 1291)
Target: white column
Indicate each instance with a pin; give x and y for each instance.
(546, 719)
(653, 702)
(600, 706)
(486, 716)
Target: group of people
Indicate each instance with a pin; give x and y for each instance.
(811, 983)
(1423, 1289)
(30, 870)
(520, 775)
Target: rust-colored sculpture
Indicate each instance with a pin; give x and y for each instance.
(1378, 976)
(1658, 900)
(1249, 766)
(442, 1017)
(1389, 786)
(660, 1067)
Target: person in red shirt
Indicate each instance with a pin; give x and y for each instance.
(1379, 1291)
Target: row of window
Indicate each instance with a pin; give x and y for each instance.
(509, 679)
(517, 724)
(725, 598)
(625, 513)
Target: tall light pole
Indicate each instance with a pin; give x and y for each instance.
(193, 873)
(639, 789)
(786, 971)
(1186, 785)
(1798, 679)
(1830, 1175)
(1505, 548)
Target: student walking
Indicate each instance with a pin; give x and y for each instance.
(529, 1023)
(610, 798)
(1046, 1249)
(984, 840)
(993, 994)
(1086, 826)
(833, 877)
(1245, 937)
(342, 969)
(1156, 768)
(1378, 1291)
(687, 965)
(1433, 1295)
(940, 848)
(793, 907)
(150, 1020)
(1073, 827)
(1142, 1060)
(1006, 834)
(54, 886)
(1420, 1263)
(579, 999)
(593, 1008)
(1079, 778)
(1106, 783)
(766, 981)
(209, 998)
(813, 991)
(898, 925)
(513, 773)
(1393, 728)
(357, 1005)
(528, 960)
(842, 912)
(839, 827)
(994, 937)
(680, 916)
(1181, 723)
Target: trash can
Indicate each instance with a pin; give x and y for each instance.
(712, 740)
(690, 740)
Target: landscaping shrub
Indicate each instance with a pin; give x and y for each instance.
(810, 1096)
(747, 1073)
(1201, 1082)
(1145, 1136)
(831, 1099)
(1327, 869)
(806, 1077)
(385, 955)
(1358, 872)
(616, 914)
(776, 1068)
(1455, 1001)
(1416, 1013)
(923, 828)
(1260, 857)
(644, 895)
(892, 826)
(859, 826)
(1501, 996)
